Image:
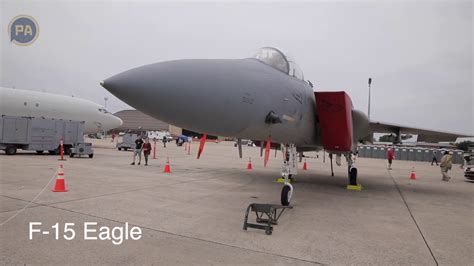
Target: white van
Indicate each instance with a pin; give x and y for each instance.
(158, 135)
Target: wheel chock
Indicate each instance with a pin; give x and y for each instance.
(356, 187)
(281, 180)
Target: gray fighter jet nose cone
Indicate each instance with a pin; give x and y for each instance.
(192, 94)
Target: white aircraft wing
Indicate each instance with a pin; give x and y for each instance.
(423, 134)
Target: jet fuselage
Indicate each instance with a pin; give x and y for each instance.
(227, 97)
(16, 102)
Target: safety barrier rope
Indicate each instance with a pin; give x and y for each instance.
(29, 203)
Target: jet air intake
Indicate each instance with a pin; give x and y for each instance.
(335, 120)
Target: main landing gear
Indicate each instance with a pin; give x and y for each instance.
(352, 171)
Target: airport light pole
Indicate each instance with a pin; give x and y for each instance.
(368, 112)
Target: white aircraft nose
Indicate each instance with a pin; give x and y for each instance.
(117, 122)
(109, 122)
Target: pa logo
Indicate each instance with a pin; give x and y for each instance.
(23, 30)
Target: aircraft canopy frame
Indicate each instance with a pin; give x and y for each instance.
(278, 60)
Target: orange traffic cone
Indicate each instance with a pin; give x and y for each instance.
(60, 185)
(249, 165)
(167, 168)
(305, 165)
(413, 174)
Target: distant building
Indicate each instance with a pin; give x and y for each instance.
(134, 120)
(420, 144)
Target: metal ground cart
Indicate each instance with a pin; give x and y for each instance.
(267, 216)
(80, 149)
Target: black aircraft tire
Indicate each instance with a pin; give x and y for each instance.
(39, 152)
(353, 177)
(285, 192)
(10, 150)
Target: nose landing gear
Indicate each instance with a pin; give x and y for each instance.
(286, 192)
(289, 168)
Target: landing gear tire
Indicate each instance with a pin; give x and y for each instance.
(39, 152)
(10, 150)
(353, 176)
(286, 195)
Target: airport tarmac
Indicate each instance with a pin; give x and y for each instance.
(195, 215)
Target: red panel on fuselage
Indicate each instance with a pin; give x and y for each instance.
(335, 118)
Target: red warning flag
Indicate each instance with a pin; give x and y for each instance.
(267, 151)
(201, 145)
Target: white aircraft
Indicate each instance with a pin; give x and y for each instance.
(15, 102)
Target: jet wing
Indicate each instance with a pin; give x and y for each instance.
(423, 134)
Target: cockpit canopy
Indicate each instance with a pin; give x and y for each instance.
(277, 59)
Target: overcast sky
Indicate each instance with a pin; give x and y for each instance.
(418, 53)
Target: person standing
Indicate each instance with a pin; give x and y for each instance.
(138, 150)
(434, 159)
(446, 165)
(164, 141)
(390, 156)
(146, 150)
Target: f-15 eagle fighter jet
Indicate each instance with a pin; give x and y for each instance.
(264, 98)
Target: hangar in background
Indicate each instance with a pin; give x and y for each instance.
(134, 120)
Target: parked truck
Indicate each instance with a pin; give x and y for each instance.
(40, 134)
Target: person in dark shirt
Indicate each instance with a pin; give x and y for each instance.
(165, 139)
(146, 150)
(138, 150)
